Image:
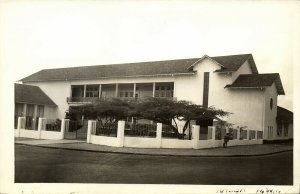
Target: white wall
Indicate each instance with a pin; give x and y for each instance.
(50, 112)
(244, 69)
(58, 91)
(270, 114)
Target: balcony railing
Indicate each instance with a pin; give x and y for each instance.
(97, 99)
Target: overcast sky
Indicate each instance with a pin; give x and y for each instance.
(39, 35)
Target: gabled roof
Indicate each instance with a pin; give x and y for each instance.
(258, 81)
(284, 115)
(31, 95)
(152, 68)
(234, 62)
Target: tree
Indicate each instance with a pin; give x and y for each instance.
(160, 110)
(169, 112)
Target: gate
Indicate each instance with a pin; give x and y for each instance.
(76, 129)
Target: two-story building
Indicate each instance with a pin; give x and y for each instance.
(231, 83)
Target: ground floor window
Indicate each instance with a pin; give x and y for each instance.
(259, 134)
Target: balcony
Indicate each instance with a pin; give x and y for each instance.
(126, 91)
(82, 100)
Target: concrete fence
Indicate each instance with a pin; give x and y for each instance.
(158, 142)
(47, 129)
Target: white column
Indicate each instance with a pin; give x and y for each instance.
(247, 134)
(91, 125)
(158, 134)
(117, 90)
(120, 134)
(195, 136)
(40, 127)
(213, 133)
(238, 135)
(134, 90)
(64, 125)
(34, 116)
(255, 135)
(153, 91)
(24, 110)
(84, 91)
(174, 90)
(20, 120)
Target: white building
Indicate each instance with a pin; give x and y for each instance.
(231, 83)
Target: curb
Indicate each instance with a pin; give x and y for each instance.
(147, 154)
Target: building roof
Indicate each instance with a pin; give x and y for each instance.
(153, 68)
(31, 95)
(284, 115)
(233, 62)
(258, 81)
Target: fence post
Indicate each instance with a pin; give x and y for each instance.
(120, 134)
(62, 128)
(195, 135)
(158, 134)
(19, 126)
(40, 122)
(248, 136)
(213, 133)
(91, 126)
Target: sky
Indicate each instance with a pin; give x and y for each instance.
(50, 34)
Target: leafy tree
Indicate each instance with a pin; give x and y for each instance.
(160, 110)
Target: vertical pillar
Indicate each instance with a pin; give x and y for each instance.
(117, 89)
(213, 133)
(40, 127)
(20, 120)
(34, 116)
(134, 90)
(100, 90)
(64, 125)
(91, 126)
(158, 134)
(84, 91)
(247, 134)
(153, 90)
(195, 136)
(24, 110)
(238, 134)
(120, 134)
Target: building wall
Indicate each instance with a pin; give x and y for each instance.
(247, 105)
(244, 69)
(270, 114)
(58, 92)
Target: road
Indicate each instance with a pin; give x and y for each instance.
(36, 165)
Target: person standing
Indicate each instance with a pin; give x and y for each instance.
(226, 140)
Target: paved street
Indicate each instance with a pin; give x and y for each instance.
(36, 164)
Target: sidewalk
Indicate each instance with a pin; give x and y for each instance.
(252, 150)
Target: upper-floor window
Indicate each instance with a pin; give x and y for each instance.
(92, 91)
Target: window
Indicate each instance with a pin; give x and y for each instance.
(271, 103)
(92, 91)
